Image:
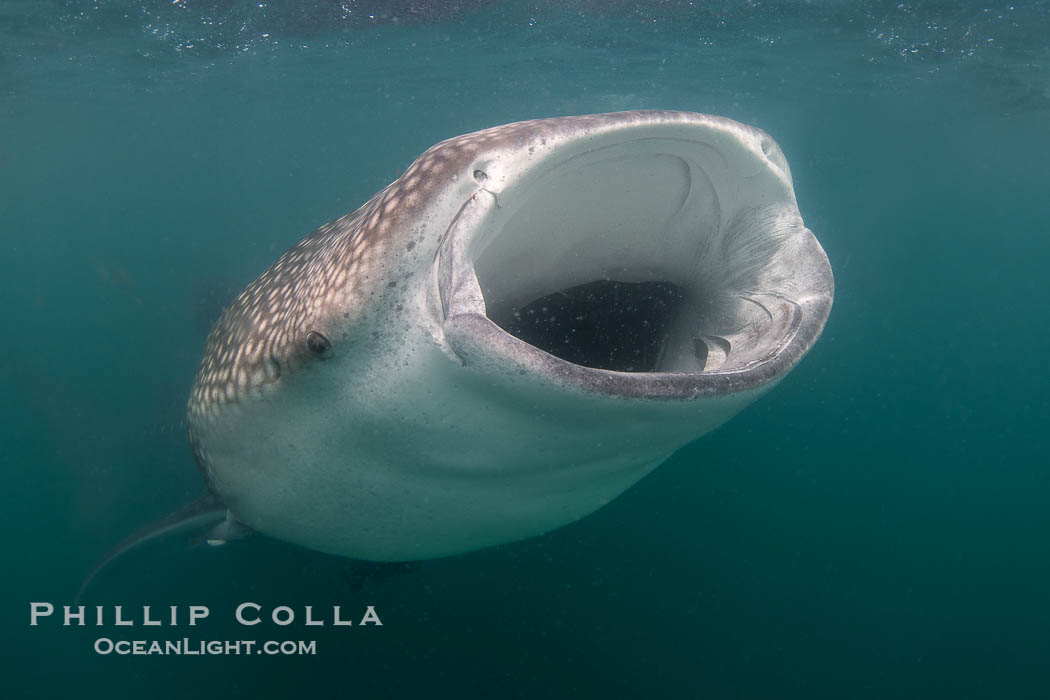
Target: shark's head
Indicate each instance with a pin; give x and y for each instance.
(522, 325)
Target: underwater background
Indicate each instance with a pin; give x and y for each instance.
(876, 526)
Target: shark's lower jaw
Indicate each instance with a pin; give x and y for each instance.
(666, 266)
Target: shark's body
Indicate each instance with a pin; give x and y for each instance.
(361, 397)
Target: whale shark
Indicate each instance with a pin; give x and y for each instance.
(525, 323)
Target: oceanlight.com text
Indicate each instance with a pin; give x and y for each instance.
(187, 647)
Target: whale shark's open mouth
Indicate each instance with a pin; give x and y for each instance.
(671, 260)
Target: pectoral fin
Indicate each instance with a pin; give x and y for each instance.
(200, 513)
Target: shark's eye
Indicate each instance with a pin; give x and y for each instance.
(317, 343)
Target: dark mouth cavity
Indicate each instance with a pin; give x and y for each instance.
(619, 326)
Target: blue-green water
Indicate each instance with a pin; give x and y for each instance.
(876, 526)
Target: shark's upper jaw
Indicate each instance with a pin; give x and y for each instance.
(667, 262)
